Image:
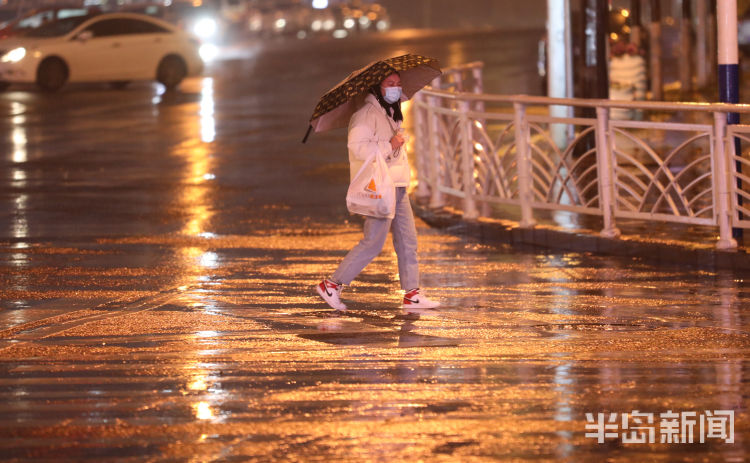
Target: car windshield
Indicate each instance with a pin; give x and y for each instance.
(57, 28)
(43, 17)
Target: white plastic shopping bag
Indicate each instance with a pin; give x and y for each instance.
(371, 192)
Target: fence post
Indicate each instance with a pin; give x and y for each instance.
(481, 122)
(523, 162)
(606, 174)
(478, 88)
(723, 204)
(437, 83)
(433, 137)
(467, 163)
(458, 81)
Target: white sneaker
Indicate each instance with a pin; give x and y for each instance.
(331, 293)
(415, 302)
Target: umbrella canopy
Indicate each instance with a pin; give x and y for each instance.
(338, 104)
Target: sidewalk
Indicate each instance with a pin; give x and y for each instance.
(663, 244)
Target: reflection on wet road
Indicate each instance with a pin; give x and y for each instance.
(158, 254)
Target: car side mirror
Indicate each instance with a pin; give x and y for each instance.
(85, 35)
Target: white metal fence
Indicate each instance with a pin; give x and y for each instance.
(679, 165)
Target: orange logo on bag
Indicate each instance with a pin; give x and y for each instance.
(372, 188)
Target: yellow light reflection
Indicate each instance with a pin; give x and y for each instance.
(208, 124)
(194, 194)
(199, 215)
(192, 255)
(203, 411)
(20, 225)
(199, 159)
(18, 137)
(194, 199)
(198, 384)
(17, 109)
(19, 178)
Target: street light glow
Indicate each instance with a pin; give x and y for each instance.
(205, 28)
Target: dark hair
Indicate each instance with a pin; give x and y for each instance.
(393, 110)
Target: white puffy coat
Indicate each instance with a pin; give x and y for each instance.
(371, 130)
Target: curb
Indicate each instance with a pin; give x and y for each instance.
(553, 238)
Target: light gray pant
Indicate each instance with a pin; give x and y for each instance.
(376, 231)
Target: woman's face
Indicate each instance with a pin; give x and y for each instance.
(394, 80)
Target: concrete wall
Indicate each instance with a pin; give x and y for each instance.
(467, 14)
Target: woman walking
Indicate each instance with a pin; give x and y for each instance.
(376, 128)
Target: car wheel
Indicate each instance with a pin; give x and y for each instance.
(171, 71)
(119, 84)
(52, 74)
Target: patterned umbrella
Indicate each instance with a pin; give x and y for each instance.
(338, 104)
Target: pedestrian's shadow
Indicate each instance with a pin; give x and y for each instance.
(397, 331)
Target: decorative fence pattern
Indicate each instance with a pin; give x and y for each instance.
(740, 183)
(532, 153)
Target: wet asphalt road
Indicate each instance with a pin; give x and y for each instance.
(157, 258)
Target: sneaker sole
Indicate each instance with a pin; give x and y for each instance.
(418, 307)
(422, 311)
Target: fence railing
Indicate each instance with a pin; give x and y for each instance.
(681, 164)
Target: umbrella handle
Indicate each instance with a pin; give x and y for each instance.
(309, 129)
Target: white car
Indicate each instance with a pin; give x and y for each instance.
(113, 47)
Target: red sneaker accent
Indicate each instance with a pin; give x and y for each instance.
(414, 300)
(325, 284)
(331, 293)
(410, 297)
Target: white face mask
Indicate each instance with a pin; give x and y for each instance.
(392, 94)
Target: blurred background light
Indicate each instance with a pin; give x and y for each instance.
(205, 28)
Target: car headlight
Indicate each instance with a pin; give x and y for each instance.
(208, 52)
(205, 28)
(14, 56)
